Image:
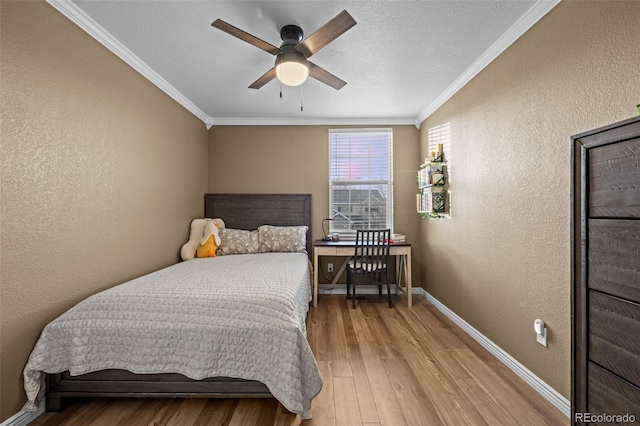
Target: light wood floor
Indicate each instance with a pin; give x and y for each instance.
(380, 366)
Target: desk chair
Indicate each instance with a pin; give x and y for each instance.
(369, 263)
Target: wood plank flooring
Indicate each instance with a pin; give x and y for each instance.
(380, 366)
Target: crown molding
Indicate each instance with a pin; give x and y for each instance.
(91, 27)
(521, 26)
(84, 21)
(312, 121)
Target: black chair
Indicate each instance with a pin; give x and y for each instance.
(369, 262)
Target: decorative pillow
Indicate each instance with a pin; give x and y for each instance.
(237, 241)
(188, 250)
(208, 249)
(283, 238)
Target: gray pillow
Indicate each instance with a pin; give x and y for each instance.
(237, 241)
(283, 238)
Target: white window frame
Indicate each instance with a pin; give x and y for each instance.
(348, 234)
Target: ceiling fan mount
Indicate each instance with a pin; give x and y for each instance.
(291, 32)
(292, 65)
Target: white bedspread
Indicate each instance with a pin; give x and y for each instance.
(238, 316)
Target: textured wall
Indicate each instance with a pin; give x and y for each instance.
(577, 69)
(101, 175)
(295, 159)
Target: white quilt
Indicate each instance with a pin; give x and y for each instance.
(238, 316)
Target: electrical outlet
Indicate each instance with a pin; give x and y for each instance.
(542, 338)
(541, 332)
(330, 267)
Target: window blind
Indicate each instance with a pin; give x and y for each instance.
(360, 180)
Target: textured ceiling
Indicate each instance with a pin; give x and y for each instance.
(400, 58)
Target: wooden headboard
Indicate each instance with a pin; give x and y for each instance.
(248, 211)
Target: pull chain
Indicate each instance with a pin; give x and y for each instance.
(301, 98)
(280, 88)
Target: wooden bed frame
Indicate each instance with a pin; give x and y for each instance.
(239, 211)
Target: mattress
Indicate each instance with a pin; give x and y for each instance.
(240, 316)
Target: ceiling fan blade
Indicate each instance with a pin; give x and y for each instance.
(325, 76)
(326, 34)
(267, 77)
(245, 36)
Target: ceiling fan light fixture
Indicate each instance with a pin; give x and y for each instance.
(292, 68)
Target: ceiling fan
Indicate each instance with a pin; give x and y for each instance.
(292, 66)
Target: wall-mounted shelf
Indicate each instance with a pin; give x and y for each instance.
(432, 196)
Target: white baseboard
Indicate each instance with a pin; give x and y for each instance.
(23, 418)
(550, 394)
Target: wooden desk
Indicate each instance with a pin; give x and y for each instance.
(402, 251)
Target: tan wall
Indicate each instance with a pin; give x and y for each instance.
(295, 159)
(503, 259)
(101, 175)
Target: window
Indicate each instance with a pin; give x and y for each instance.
(440, 135)
(360, 184)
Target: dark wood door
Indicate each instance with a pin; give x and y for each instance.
(605, 234)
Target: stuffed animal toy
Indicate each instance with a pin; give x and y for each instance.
(210, 241)
(197, 235)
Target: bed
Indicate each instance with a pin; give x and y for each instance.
(266, 320)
